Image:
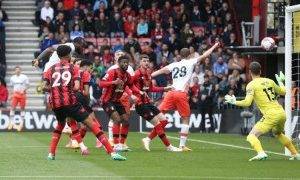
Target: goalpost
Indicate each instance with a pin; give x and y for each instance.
(292, 73)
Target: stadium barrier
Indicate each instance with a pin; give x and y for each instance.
(226, 121)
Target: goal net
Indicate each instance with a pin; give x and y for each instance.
(292, 72)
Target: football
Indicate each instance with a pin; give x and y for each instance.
(267, 43)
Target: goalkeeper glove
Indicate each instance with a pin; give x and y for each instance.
(280, 78)
(230, 99)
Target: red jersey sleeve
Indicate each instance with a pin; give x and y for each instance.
(47, 76)
(86, 77)
(156, 88)
(107, 80)
(131, 85)
(76, 73)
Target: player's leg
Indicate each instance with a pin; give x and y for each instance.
(125, 113)
(77, 136)
(283, 139)
(81, 115)
(183, 108)
(261, 127)
(22, 106)
(60, 116)
(14, 103)
(110, 131)
(156, 118)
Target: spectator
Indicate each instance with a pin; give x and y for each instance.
(89, 26)
(3, 15)
(127, 11)
(98, 3)
(60, 9)
(220, 68)
(206, 66)
(48, 42)
(199, 74)
(90, 53)
(62, 33)
(142, 28)
(47, 11)
(196, 17)
(98, 65)
(48, 23)
(105, 45)
(116, 26)
(165, 53)
(237, 63)
(3, 94)
(157, 33)
(68, 4)
(232, 40)
(77, 32)
(119, 3)
(118, 46)
(186, 33)
(129, 26)
(237, 78)
(101, 25)
(44, 33)
(233, 88)
(132, 43)
(167, 12)
(107, 58)
(76, 10)
(60, 21)
(76, 20)
(193, 52)
(194, 93)
(207, 92)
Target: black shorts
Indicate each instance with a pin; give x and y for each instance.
(147, 111)
(84, 102)
(111, 107)
(76, 112)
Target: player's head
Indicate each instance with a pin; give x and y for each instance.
(184, 53)
(255, 69)
(145, 61)
(118, 54)
(123, 62)
(79, 44)
(63, 52)
(18, 70)
(86, 64)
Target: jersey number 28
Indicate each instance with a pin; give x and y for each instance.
(57, 76)
(179, 72)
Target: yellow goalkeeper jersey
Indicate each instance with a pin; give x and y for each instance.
(264, 92)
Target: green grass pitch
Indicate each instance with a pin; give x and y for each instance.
(23, 156)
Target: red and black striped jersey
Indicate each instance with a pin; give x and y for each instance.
(85, 78)
(112, 92)
(142, 80)
(61, 77)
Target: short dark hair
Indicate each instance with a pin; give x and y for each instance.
(184, 52)
(85, 62)
(63, 50)
(124, 57)
(144, 56)
(255, 68)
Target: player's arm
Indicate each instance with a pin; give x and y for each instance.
(108, 81)
(208, 52)
(245, 102)
(279, 89)
(86, 81)
(46, 53)
(76, 74)
(163, 70)
(46, 82)
(132, 87)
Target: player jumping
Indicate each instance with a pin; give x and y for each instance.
(62, 81)
(177, 99)
(264, 93)
(144, 107)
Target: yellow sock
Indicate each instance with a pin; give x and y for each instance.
(287, 143)
(255, 143)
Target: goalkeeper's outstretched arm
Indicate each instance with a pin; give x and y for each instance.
(246, 102)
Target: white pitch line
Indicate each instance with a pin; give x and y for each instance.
(148, 177)
(222, 144)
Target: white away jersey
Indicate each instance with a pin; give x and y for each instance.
(19, 83)
(54, 57)
(129, 70)
(181, 73)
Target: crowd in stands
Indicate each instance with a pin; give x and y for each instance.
(158, 28)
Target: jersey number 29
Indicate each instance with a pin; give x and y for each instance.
(66, 76)
(179, 72)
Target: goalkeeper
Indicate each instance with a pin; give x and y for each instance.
(264, 92)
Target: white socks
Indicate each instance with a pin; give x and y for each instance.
(110, 133)
(183, 134)
(82, 146)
